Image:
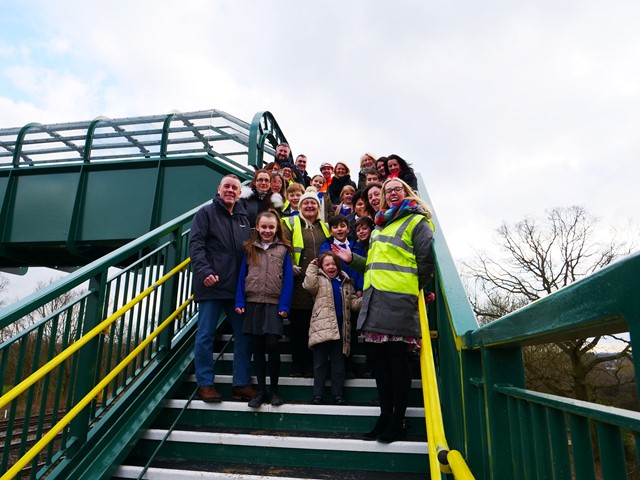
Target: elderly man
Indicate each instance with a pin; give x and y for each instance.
(217, 233)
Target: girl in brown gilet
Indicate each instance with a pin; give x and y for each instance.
(265, 288)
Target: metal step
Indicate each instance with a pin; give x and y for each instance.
(286, 450)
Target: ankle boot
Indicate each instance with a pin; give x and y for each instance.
(381, 425)
(396, 430)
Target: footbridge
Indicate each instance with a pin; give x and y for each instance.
(103, 387)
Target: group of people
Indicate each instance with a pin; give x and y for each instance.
(315, 250)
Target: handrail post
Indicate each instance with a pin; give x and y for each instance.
(169, 291)
(88, 359)
(501, 366)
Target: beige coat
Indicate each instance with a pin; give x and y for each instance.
(324, 323)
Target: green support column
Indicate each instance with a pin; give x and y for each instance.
(88, 360)
(169, 291)
(502, 366)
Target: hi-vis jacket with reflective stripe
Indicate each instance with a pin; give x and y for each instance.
(399, 263)
(294, 224)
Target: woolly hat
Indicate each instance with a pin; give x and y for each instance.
(312, 194)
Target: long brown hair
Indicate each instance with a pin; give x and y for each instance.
(252, 250)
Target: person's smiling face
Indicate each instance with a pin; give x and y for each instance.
(394, 193)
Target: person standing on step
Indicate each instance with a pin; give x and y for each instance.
(216, 241)
(265, 288)
(306, 232)
(330, 328)
(399, 264)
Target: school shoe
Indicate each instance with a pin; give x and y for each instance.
(316, 400)
(243, 394)
(338, 400)
(381, 425)
(276, 399)
(209, 394)
(397, 430)
(258, 400)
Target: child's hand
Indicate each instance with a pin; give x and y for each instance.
(314, 261)
(344, 253)
(283, 314)
(359, 293)
(296, 270)
(239, 311)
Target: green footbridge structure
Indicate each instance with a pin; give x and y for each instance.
(97, 367)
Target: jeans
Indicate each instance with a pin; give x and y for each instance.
(208, 316)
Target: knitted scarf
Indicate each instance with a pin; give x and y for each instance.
(384, 217)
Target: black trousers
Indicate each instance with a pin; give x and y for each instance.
(392, 372)
(301, 357)
(324, 354)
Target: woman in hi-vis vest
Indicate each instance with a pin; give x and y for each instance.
(306, 232)
(399, 264)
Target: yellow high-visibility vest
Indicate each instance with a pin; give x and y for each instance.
(391, 263)
(295, 225)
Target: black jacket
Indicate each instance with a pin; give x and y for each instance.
(337, 184)
(215, 246)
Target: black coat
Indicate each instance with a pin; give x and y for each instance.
(215, 246)
(337, 184)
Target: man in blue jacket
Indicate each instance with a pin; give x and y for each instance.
(217, 233)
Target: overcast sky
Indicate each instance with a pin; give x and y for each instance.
(505, 108)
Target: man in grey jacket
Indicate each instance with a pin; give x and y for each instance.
(217, 233)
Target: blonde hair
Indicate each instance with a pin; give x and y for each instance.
(295, 187)
(409, 193)
(346, 188)
(365, 156)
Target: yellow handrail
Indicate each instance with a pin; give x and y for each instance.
(82, 341)
(89, 397)
(441, 459)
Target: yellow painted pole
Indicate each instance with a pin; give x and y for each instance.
(64, 421)
(94, 332)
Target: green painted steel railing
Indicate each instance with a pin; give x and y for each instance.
(506, 431)
(43, 402)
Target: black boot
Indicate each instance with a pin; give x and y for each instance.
(381, 426)
(395, 431)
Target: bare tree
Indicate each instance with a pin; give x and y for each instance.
(537, 257)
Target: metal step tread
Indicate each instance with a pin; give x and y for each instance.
(289, 408)
(181, 469)
(287, 442)
(301, 381)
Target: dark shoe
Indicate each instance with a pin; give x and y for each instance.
(308, 374)
(381, 425)
(394, 432)
(338, 400)
(276, 399)
(258, 400)
(295, 373)
(316, 400)
(209, 394)
(243, 393)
